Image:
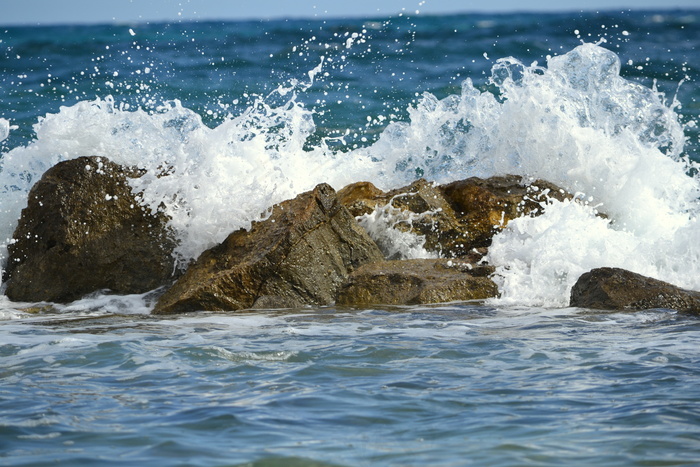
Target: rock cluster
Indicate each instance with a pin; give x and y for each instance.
(84, 230)
(312, 251)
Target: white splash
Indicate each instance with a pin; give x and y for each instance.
(4, 129)
(218, 179)
(382, 225)
(576, 123)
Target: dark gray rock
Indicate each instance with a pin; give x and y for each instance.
(619, 289)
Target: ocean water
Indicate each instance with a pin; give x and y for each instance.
(246, 114)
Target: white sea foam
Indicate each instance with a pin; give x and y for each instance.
(112, 304)
(575, 122)
(4, 129)
(579, 124)
(381, 225)
(219, 179)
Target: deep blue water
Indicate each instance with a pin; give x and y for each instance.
(213, 64)
(100, 382)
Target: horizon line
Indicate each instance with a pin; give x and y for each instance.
(525, 11)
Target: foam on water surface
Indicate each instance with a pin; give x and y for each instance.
(575, 122)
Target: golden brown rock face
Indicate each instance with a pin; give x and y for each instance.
(361, 198)
(428, 213)
(485, 206)
(84, 230)
(460, 217)
(415, 282)
(299, 256)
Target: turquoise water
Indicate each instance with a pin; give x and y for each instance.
(249, 113)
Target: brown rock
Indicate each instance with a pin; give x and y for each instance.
(299, 256)
(619, 289)
(420, 208)
(419, 281)
(84, 230)
(436, 221)
(458, 219)
(361, 198)
(485, 206)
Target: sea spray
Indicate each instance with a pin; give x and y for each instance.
(395, 243)
(579, 124)
(4, 129)
(576, 123)
(209, 181)
(592, 131)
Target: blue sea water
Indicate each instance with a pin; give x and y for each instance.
(254, 112)
(447, 385)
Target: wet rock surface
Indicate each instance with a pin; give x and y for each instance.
(485, 206)
(419, 208)
(415, 282)
(619, 289)
(84, 230)
(457, 219)
(300, 255)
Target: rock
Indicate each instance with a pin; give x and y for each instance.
(619, 289)
(419, 208)
(458, 219)
(299, 256)
(419, 281)
(361, 198)
(83, 230)
(485, 206)
(435, 219)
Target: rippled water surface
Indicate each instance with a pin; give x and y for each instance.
(449, 385)
(246, 114)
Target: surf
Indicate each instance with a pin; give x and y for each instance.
(573, 121)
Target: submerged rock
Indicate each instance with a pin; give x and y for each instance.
(299, 256)
(84, 230)
(414, 282)
(619, 289)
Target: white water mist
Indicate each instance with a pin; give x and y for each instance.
(575, 122)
